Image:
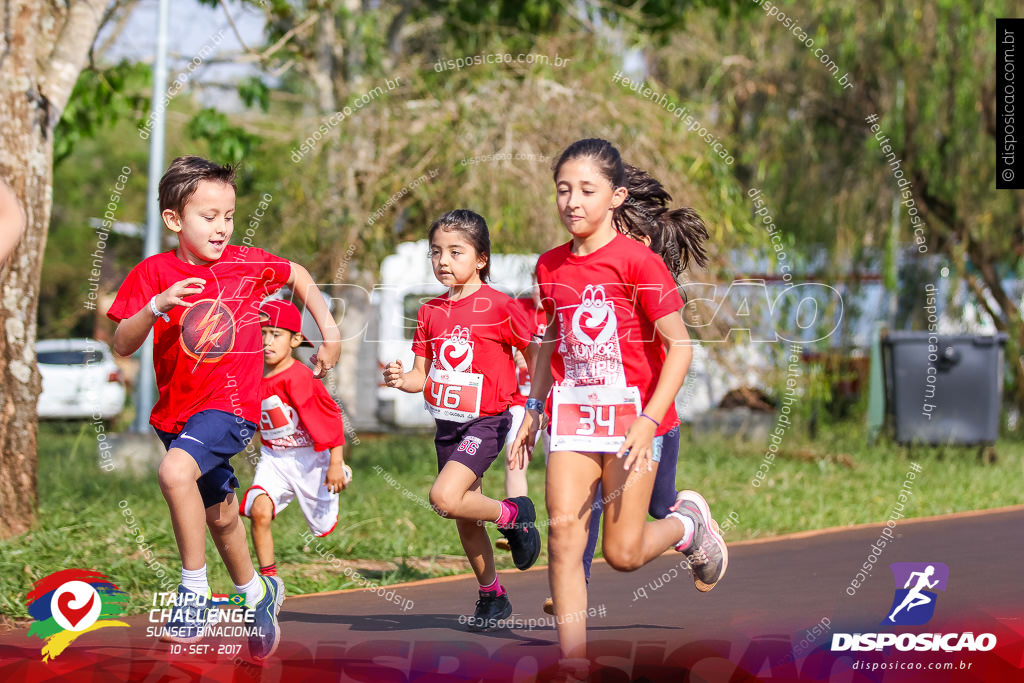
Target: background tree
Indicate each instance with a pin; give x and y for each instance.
(45, 46)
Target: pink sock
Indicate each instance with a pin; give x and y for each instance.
(494, 586)
(508, 514)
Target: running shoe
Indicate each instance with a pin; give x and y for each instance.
(265, 631)
(189, 617)
(523, 537)
(707, 555)
(491, 609)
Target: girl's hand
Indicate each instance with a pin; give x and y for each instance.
(171, 297)
(639, 445)
(393, 375)
(521, 453)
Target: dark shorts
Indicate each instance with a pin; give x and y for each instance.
(212, 437)
(475, 444)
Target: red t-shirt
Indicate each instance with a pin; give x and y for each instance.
(494, 328)
(297, 412)
(537, 321)
(606, 303)
(209, 356)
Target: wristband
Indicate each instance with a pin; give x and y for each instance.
(537, 337)
(535, 404)
(156, 311)
(656, 423)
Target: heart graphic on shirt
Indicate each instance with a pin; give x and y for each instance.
(594, 314)
(456, 353)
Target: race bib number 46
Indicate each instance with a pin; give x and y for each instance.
(452, 395)
(593, 418)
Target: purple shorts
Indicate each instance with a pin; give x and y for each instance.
(475, 444)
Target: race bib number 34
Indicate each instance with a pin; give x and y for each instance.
(593, 418)
(452, 395)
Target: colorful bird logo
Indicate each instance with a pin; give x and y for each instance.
(71, 602)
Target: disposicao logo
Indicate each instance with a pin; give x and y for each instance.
(71, 602)
(913, 604)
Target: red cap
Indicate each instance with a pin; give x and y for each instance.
(284, 315)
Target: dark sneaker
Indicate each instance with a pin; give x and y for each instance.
(707, 554)
(523, 537)
(189, 617)
(491, 608)
(266, 632)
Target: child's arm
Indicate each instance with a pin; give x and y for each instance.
(131, 332)
(12, 221)
(410, 382)
(335, 479)
(640, 435)
(326, 357)
(540, 384)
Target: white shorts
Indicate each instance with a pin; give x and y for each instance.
(296, 474)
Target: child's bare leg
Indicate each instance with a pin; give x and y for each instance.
(453, 495)
(630, 541)
(515, 481)
(177, 475)
(571, 481)
(229, 536)
(261, 514)
(477, 545)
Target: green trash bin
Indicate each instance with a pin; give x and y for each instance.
(943, 389)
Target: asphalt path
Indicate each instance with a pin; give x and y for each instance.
(774, 617)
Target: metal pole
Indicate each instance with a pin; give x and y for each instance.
(144, 400)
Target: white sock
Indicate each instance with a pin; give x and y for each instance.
(253, 590)
(195, 580)
(688, 528)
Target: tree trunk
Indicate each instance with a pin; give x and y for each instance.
(47, 48)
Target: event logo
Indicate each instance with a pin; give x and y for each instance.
(594, 314)
(456, 353)
(916, 582)
(912, 605)
(68, 603)
(207, 330)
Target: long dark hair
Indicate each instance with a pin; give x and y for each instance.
(676, 235)
(473, 226)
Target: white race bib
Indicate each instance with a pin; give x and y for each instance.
(592, 418)
(452, 395)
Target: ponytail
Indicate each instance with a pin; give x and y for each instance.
(676, 235)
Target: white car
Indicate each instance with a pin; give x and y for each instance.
(80, 380)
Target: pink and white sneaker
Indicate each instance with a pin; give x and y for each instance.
(707, 555)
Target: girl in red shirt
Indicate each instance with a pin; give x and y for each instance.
(463, 346)
(616, 351)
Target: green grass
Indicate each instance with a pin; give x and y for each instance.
(833, 481)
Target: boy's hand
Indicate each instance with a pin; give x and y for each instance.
(338, 477)
(393, 375)
(171, 297)
(325, 358)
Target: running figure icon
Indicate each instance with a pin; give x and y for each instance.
(915, 597)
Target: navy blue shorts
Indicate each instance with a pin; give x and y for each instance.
(212, 437)
(475, 444)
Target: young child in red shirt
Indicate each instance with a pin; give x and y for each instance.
(302, 435)
(201, 302)
(463, 345)
(614, 356)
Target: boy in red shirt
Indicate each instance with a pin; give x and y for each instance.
(201, 301)
(302, 433)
